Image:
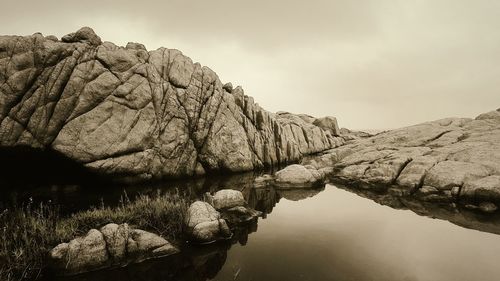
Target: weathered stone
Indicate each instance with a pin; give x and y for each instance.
(297, 176)
(413, 174)
(227, 198)
(52, 38)
(204, 223)
(116, 237)
(447, 174)
(210, 231)
(228, 87)
(149, 115)
(487, 188)
(84, 34)
(459, 157)
(143, 245)
(81, 254)
(114, 245)
(328, 123)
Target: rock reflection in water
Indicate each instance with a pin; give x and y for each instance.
(209, 261)
(445, 211)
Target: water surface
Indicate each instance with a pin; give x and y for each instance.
(333, 234)
(337, 235)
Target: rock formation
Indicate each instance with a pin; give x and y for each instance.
(145, 114)
(207, 222)
(455, 159)
(204, 224)
(113, 245)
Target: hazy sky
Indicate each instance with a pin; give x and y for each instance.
(372, 64)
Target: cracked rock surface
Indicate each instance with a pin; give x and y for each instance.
(148, 114)
(454, 158)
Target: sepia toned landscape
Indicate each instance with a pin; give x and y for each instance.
(122, 162)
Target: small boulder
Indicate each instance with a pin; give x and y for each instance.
(204, 223)
(85, 35)
(297, 176)
(227, 198)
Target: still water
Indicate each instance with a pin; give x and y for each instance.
(337, 235)
(333, 234)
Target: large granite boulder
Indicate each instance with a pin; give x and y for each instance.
(112, 245)
(145, 114)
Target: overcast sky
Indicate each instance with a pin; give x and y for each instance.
(372, 64)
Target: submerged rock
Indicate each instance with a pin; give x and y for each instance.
(240, 214)
(487, 207)
(113, 245)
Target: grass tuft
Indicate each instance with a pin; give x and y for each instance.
(28, 232)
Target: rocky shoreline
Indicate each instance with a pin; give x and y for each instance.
(116, 245)
(450, 160)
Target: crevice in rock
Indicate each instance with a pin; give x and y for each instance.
(403, 166)
(436, 137)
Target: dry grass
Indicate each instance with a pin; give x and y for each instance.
(29, 232)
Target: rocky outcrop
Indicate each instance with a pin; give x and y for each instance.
(455, 159)
(113, 245)
(147, 114)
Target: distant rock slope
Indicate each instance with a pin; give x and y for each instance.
(147, 114)
(448, 159)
